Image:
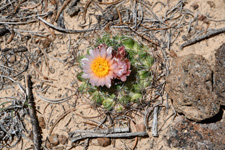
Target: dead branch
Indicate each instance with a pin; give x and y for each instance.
(34, 120)
(203, 37)
(84, 135)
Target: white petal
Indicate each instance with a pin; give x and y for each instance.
(85, 76)
(109, 50)
(108, 82)
(84, 60)
(91, 52)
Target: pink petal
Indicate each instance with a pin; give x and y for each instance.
(102, 81)
(110, 74)
(98, 53)
(108, 82)
(110, 62)
(113, 66)
(91, 58)
(123, 78)
(103, 53)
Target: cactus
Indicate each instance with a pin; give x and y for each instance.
(130, 91)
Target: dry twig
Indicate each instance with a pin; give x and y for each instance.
(203, 37)
(33, 116)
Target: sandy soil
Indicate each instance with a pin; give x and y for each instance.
(63, 82)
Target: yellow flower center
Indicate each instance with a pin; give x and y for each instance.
(100, 67)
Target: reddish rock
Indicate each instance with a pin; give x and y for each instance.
(190, 86)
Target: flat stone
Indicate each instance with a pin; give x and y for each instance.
(220, 74)
(190, 86)
(185, 134)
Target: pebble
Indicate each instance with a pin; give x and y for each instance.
(103, 142)
(211, 4)
(195, 6)
(140, 127)
(53, 139)
(63, 139)
(42, 122)
(12, 59)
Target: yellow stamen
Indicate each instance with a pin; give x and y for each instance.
(100, 67)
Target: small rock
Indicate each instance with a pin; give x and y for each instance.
(104, 141)
(195, 6)
(73, 9)
(63, 139)
(53, 139)
(140, 127)
(201, 17)
(211, 4)
(3, 31)
(220, 74)
(190, 86)
(12, 59)
(21, 49)
(184, 38)
(172, 54)
(46, 43)
(42, 122)
(51, 70)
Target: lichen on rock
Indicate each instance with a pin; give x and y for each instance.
(190, 86)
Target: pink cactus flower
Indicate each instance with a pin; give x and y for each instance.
(123, 65)
(99, 66)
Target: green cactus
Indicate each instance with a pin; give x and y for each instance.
(121, 93)
(108, 103)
